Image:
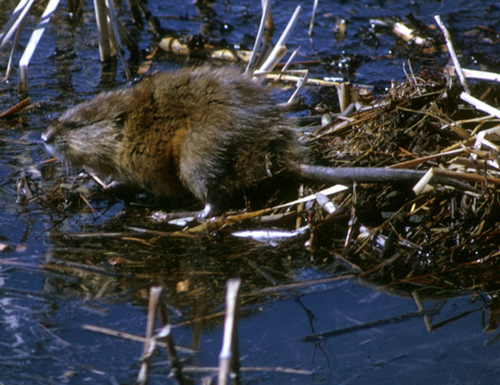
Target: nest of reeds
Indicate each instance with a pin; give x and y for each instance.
(444, 239)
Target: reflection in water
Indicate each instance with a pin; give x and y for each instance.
(110, 263)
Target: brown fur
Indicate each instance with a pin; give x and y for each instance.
(210, 132)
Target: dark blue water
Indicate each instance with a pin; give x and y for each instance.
(47, 296)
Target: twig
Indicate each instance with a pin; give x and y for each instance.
(277, 369)
(455, 318)
(13, 48)
(14, 109)
(422, 185)
(352, 217)
(300, 84)
(425, 159)
(367, 325)
(130, 337)
(151, 341)
(154, 25)
(301, 285)
(344, 95)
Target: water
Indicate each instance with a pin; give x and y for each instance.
(53, 282)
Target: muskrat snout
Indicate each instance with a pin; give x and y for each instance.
(48, 135)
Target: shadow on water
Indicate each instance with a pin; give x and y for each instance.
(65, 265)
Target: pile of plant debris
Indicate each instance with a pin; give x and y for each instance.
(439, 237)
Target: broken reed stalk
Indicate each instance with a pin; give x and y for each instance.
(149, 343)
(266, 7)
(113, 26)
(280, 48)
(15, 20)
(110, 43)
(475, 74)
(16, 24)
(479, 104)
(13, 48)
(178, 47)
(33, 42)
(427, 319)
(311, 25)
(291, 60)
(155, 306)
(451, 50)
(229, 355)
(106, 48)
(465, 96)
(175, 364)
(153, 23)
(300, 84)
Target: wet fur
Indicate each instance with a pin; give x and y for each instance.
(210, 132)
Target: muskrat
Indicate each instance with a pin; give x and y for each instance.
(210, 132)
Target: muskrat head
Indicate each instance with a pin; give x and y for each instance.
(87, 134)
